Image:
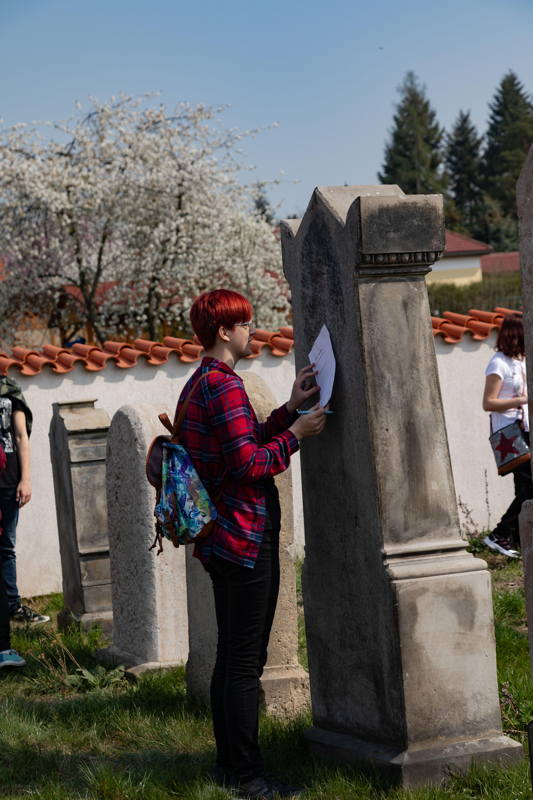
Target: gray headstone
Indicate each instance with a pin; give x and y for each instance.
(78, 433)
(148, 590)
(398, 614)
(525, 223)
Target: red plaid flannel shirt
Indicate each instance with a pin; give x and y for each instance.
(232, 451)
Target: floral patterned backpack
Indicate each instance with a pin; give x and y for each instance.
(184, 511)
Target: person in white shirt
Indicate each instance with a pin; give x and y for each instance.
(505, 397)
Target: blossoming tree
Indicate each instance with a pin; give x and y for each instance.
(119, 217)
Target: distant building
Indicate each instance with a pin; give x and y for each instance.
(496, 263)
(461, 261)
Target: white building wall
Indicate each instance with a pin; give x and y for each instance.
(457, 262)
(461, 369)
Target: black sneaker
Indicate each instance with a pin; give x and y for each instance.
(27, 616)
(256, 789)
(219, 776)
(503, 546)
(265, 789)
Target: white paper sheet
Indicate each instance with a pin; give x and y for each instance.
(321, 355)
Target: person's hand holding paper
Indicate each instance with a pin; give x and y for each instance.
(302, 389)
(323, 359)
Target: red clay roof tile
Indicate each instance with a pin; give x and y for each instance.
(480, 324)
(451, 327)
(174, 343)
(487, 316)
(190, 352)
(507, 311)
(280, 345)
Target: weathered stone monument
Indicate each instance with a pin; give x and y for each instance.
(284, 682)
(78, 434)
(149, 591)
(525, 222)
(398, 614)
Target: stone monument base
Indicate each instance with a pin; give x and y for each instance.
(133, 667)
(104, 619)
(416, 766)
(286, 690)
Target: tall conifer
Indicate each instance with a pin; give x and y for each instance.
(413, 157)
(509, 134)
(464, 170)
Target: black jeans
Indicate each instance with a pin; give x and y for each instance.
(507, 527)
(9, 509)
(5, 641)
(245, 602)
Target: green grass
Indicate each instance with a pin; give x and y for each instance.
(72, 731)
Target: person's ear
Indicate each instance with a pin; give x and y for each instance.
(223, 333)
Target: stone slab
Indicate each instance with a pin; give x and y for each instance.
(149, 591)
(133, 668)
(78, 434)
(430, 764)
(102, 619)
(526, 542)
(407, 224)
(398, 615)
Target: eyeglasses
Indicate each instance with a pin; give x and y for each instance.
(244, 324)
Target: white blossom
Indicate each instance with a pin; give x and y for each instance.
(139, 210)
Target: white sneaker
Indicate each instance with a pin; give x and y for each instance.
(500, 546)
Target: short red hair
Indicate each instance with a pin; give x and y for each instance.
(216, 308)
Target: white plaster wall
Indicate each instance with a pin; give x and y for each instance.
(461, 371)
(38, 561)
(481, 493)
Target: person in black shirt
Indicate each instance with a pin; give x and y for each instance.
(15, 489)
(8, 657)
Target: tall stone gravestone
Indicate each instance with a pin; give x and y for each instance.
(148, 590)
(78, 434)
(284, 682)
(525, 222)
(398, 614)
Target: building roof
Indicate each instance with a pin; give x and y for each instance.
(456, 244)
(500, 262)
(451, 328)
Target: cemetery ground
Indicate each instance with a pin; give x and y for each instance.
(72, 730)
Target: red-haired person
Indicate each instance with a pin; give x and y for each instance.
(505, 396)
(237, 458)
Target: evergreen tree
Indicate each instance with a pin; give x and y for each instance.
(262, 204)
(495, 228)
(413, 157)
(509, 135)
(463, 167)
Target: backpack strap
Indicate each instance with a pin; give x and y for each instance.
(174, 430)
(178, 419)
(164, 420)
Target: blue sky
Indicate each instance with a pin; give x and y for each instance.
(326, 72)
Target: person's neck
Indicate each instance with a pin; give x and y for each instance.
(222, 353)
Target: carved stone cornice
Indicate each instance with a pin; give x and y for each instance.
(391, 265)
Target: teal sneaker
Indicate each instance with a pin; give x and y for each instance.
(10, 658)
